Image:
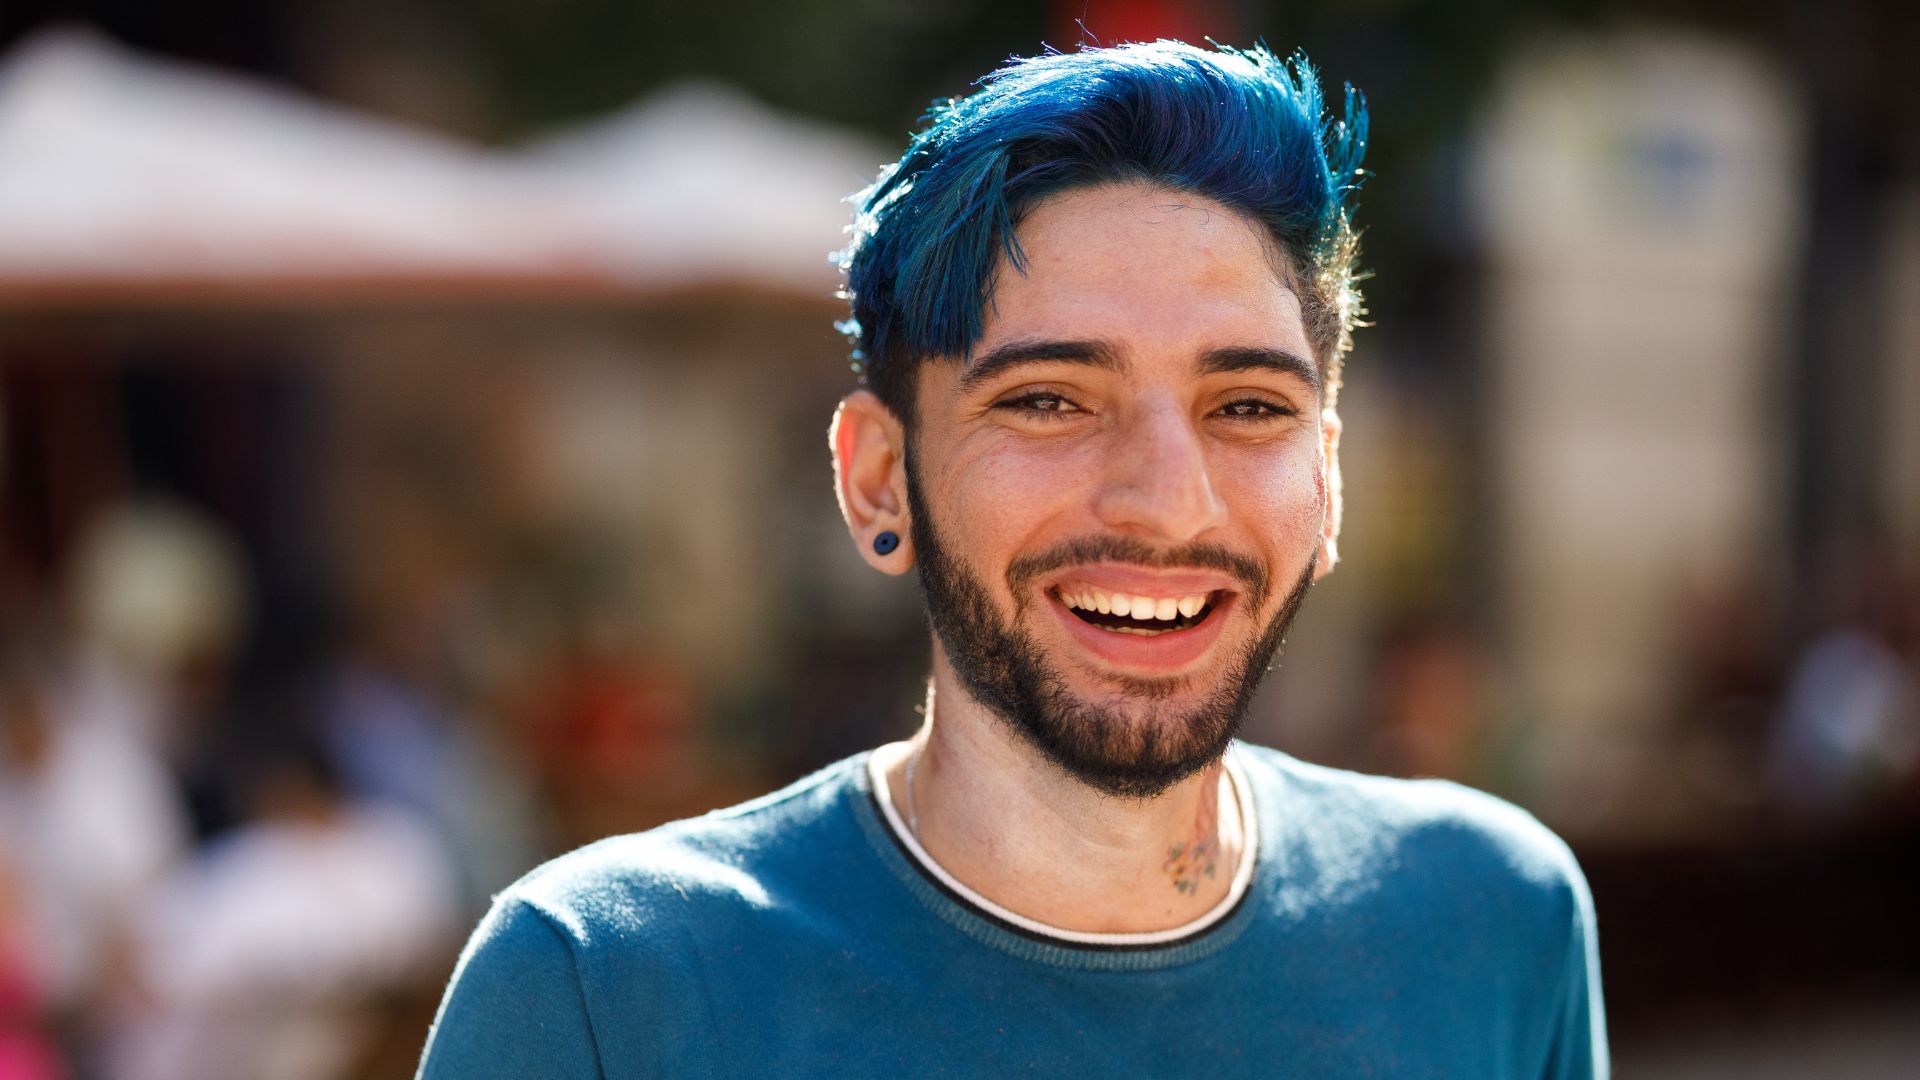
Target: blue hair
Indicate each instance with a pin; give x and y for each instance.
(1240, 127)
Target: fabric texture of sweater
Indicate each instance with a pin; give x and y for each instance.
(1392, 928)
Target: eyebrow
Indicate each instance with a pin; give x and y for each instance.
(1235, 358)
(1015, 353)
(1257, 358)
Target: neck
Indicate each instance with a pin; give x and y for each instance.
(1014, 828)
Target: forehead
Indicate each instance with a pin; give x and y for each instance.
(1148, 267)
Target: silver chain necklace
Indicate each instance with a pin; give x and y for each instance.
(913, 804)
(913, 767)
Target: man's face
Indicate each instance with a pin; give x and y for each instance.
(1120, 500)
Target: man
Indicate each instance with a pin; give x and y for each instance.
(1101, 305)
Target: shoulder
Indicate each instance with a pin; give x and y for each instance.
(641, 884)
(1420, 838)
(551, 979)
(1455, 882)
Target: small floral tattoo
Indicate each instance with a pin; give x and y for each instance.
(1187, 863)
(1197, 858)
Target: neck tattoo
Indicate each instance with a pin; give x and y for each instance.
(1196, 859)
(1189, 863)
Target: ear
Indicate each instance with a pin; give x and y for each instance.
(870, 478)
(1330, 483)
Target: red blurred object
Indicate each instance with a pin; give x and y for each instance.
(26, 1053)
(609, 725)
(1111, 22)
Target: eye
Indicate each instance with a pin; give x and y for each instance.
(1255, 409)
(1044, 404)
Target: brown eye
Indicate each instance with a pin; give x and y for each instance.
(1038, 402)
(1254, 409)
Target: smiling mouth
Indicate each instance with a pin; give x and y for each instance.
(1143, 616)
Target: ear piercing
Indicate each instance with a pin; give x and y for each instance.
(886, 542)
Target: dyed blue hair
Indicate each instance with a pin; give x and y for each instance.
(1242, 128)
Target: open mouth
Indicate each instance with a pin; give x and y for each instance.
(1144, 616)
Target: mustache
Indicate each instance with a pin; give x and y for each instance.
(1119, 549)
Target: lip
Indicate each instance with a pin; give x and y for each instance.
(1140, 580)
(1170, 653)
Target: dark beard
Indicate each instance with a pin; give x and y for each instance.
(1135, 757)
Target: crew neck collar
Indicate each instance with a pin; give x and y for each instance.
(965, 907)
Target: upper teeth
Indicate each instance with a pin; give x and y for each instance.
(1088, 598)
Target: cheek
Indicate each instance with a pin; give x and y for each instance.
(1002, 494)
(1284, 502)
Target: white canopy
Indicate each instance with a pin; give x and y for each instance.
(699, 181)
(122, 173)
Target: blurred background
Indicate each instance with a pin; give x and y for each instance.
(412, 455)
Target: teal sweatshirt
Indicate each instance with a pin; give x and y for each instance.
(1391, 929)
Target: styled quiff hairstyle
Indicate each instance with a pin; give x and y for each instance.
(1240, 127)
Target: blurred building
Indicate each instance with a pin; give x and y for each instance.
(549, 394)
(1643, 209)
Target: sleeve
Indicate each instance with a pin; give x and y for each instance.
(514, 1008)
(1579, 1047)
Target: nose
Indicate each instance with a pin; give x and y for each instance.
(1156, 483)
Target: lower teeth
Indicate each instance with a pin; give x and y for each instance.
(1139, 630)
